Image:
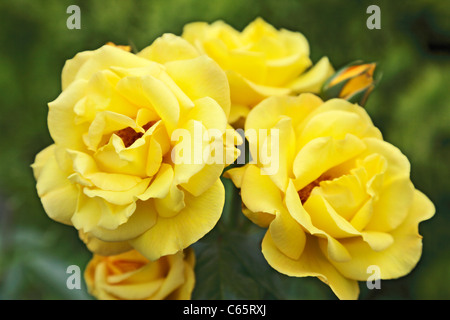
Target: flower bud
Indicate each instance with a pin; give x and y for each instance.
(353, 82)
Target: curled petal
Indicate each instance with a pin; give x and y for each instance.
(58, 195)
(172, 234)
(401, 256)
(310, 264)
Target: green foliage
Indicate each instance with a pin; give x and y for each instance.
(230, 264)
(411, 106)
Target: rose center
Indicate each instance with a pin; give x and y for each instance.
(305, 192)
(123, 266)
(129, 136)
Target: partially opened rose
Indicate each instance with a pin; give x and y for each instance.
(131, 276)
(341, 199)
(121, 126)
(260, 61)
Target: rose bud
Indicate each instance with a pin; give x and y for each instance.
(353, 82)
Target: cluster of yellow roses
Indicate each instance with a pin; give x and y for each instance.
(341, 199)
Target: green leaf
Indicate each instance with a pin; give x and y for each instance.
(220, 273)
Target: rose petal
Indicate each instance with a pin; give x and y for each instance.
(400, 257)
(311, 263)
(312, 80)
(201, 77)
(169, 235)
(58, 195)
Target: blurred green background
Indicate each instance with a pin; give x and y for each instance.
(411, 106)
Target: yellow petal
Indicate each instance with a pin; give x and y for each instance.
(170, 235)
(142, 219)
(58, 195)
(115, 157)
(154, 157)
(85, 165)
(363, 216)
(392, 205)
(276, 157)
(281, 71)
(322, 154)
(261, 219)
(400, 257)
(320, 122)
(61, 116)
(266, 114)
(87, 213)
(143, 158)
(238, 111)
(104, 124)
(378, 241)
(96, 212)
(259, 193)
(101, 94)
(167, 48)
(204, 179)
(209, 113)
(325, 218)
(287, 235)
(72, 66)
(236, 175)
(104, 248)
(160, 186)
(122, 197)
(149, 271)
(195, 30)
(312, 263)
(337, 123)
(106, 57)
(248, 64)
(162, 100)
(294, 42)
(345, 194)
(187, 154)
(333, 248)
(312, 80)
(130, 87)
(185, 102)
(201, 77)
(171, 204)
(292, 61)
(175, 277)
(185, 290)
(139, 291)
(398, 165)
(257, 29)
(248, 93)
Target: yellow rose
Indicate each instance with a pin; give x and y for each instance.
(260, 61)
(341, 199)
(131, 276)
(119, 127)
